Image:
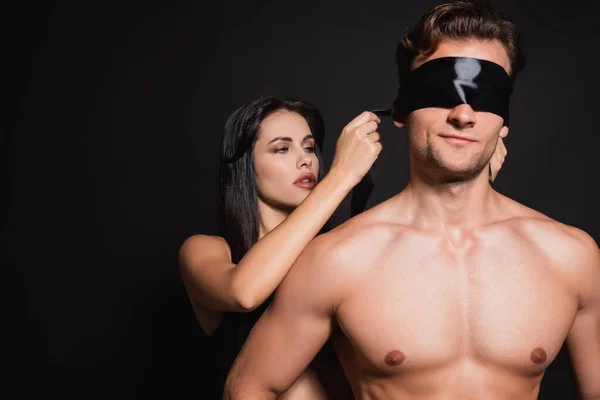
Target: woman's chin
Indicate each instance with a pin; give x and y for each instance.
(303, 196)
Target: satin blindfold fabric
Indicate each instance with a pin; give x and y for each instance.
(450, 81)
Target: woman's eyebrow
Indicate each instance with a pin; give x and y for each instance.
(284, 138)
(289, 139)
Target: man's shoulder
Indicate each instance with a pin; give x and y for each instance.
(565, 248)
(359, 234)
(331, 265)
(347, 251)
(561, 241)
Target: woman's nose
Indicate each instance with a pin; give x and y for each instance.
(304, 160)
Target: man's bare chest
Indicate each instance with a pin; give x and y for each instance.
(424, 306)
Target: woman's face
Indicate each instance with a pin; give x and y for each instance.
(284, 160)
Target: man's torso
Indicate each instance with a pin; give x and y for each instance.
(478, 318)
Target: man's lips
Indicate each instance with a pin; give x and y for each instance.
(456, 138)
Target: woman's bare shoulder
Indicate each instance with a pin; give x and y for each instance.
(205, 246)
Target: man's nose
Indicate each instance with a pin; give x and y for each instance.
(462, 116)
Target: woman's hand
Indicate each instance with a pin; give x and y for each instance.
(357, 148)
(498, 158)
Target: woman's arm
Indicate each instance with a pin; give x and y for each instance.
(210, 276)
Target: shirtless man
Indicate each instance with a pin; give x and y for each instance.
(448, 290)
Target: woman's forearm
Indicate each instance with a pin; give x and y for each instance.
(265, 265)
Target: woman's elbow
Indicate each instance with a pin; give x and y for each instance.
(243, 295)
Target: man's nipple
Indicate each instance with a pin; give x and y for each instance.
(538, 355)
(395, 357)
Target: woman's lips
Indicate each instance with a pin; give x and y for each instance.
(305, 185)
(306, 181)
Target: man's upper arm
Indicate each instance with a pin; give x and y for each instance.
(584, 336)
(291, 331)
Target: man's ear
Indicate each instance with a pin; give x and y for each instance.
(504, 132)
(399, 124)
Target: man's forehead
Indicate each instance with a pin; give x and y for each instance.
(489, 50)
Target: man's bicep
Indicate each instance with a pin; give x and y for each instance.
(584, 337)
(584, 349)
(289, 334)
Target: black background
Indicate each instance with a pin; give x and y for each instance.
(110, 131)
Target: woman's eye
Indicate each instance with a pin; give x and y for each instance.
(281, 149)
(310, 149)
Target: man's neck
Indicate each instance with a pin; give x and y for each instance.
(269, 217)
(451, 207)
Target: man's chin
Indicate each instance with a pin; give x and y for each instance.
(459, 172)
